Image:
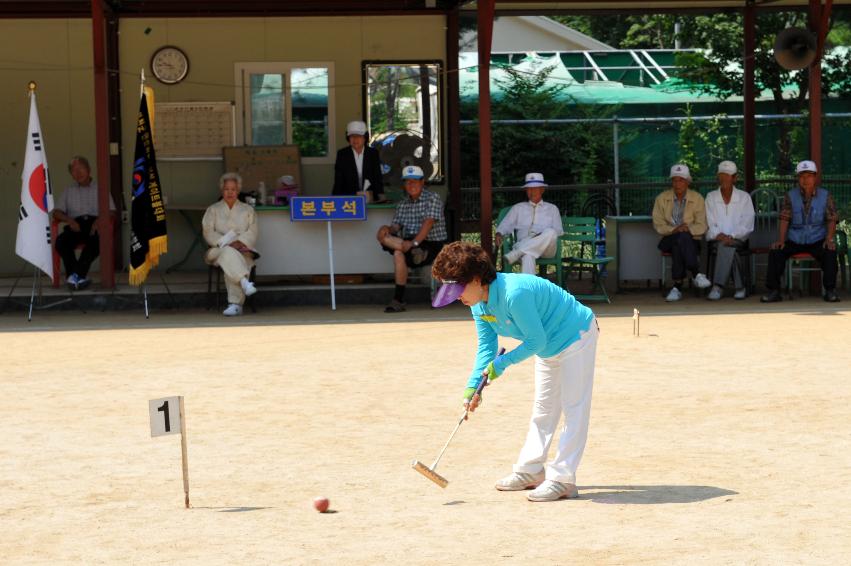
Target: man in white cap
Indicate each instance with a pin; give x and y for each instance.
(416, 234)
(535, 223)
(730, 218)
(679, 216)
(358, 167)
(807, 225)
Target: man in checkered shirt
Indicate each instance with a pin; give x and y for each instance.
(417, 234)
(78, 209)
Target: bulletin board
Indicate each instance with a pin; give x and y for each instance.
(193, 129)
(265, 163)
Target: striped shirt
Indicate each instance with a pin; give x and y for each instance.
(410, 215)
(77, 201)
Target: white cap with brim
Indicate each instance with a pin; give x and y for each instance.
(448, 294)
(727, 167)
(534, 180)
(806, 166)
(680, 170)
(412, 172)
(356, 128)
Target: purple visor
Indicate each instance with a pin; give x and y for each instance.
(448, 293)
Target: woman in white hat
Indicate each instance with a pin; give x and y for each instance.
(358, 167)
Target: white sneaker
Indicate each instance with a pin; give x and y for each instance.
(552, 490)
(674, 295)
(518, 481)
(702, 281)
(247, 287)
(513, 256)
(73, 280)
(714, 293)
(232, 310)
(741, 294)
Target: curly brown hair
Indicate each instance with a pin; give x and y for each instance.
(462, 262)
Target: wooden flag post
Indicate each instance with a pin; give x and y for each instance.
(164, 421)
(183, 453)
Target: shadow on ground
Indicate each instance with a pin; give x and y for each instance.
(651, 494)
(233, 509)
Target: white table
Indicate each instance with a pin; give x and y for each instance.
(301, 248)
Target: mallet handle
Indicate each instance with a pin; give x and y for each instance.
(464, 416)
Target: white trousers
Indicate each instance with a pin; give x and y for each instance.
(542, 245)
(563, 384)
(235, 265)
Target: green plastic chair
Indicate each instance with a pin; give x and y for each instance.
(508, 243)
(583, 230)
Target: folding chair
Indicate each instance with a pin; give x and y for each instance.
(583, 230)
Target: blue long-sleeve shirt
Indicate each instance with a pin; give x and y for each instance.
(543, 316)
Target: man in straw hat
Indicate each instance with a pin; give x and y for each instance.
(535, 223)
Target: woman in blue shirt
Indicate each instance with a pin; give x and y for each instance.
(554, 327)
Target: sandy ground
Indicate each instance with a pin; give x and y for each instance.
(720, 436)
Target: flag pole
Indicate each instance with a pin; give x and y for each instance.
(31, 86)
(142, 84)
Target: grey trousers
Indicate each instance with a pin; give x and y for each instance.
(726, 260)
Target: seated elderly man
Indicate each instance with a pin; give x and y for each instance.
(536, 224)
(78, 209)
(730, 217)
(807, 225)
(679, 216)
(417, 233)
(230, 229)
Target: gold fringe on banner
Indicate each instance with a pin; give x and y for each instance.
(156, 247)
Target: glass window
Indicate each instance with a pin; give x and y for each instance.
(309, 90)
(268, 110)
(404, 114)
(287, 103)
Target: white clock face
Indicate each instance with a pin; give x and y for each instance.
(170, 65)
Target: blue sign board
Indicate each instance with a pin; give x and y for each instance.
(327, 209)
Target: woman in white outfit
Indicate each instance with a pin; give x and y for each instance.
(230, 229)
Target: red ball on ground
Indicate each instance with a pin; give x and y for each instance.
(321, 504)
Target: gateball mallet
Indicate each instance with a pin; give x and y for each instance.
(430, 471)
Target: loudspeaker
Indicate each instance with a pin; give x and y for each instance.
(795, 48)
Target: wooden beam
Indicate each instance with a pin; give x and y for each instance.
(115, 157)
(749, 95)
(453, 107)
(485, 37)
(815, 88)
(107, 255)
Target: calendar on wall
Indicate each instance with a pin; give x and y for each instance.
(193, 129)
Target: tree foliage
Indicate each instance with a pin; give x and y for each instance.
(717, 68)
(565, 153)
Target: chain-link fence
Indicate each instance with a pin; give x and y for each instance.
(642, 150)
(626, 199)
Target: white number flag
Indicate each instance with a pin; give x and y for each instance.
(34, 241)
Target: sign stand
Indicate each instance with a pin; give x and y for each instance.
(164, 422)
(331, 267)
(328, 209)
